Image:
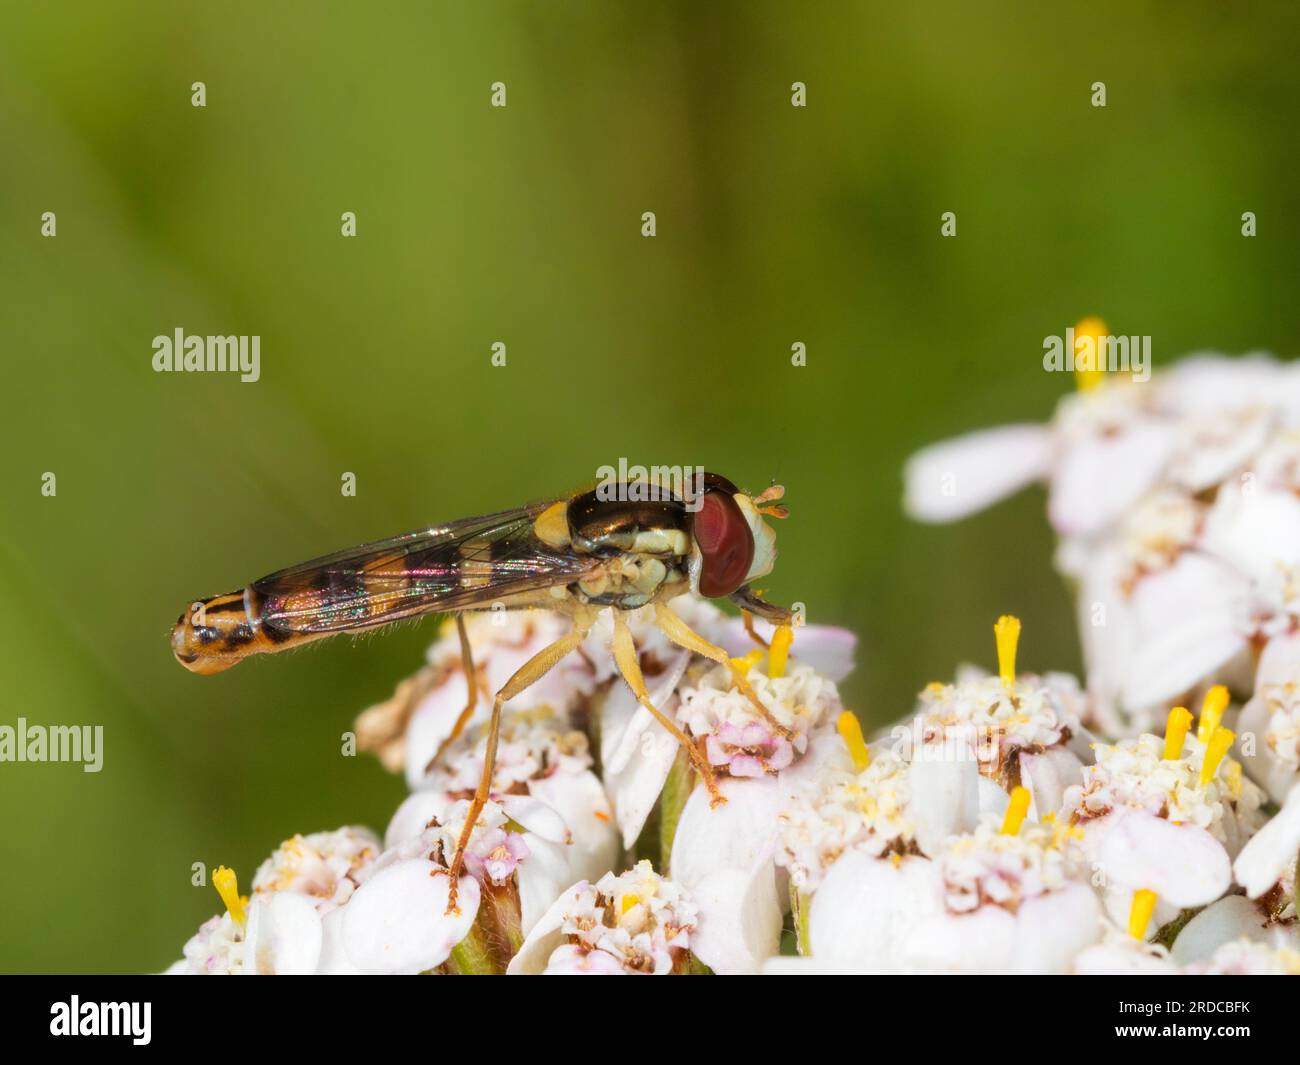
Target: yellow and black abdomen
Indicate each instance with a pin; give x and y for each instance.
(215, 634)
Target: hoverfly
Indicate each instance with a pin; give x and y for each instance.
(576, 556)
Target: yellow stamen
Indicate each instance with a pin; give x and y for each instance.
(1007, 634)
(1016, 810)
(227, 885)
(1219, 742)
(742, 666)
(1088, 378)
(851, 730)
(1212, 707)
(779, 653)
(630, 901)
(1176, 726)
(1139, 914)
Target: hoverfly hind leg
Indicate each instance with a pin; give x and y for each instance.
(471, 696)
(629, 664)
(524, 677)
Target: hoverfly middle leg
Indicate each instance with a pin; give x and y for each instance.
(525, 676)
(672, 626)
(471, 697)
(625, 656)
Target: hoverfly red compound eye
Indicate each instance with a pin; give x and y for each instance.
(726, 545)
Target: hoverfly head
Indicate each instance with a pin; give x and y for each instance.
(732, 543)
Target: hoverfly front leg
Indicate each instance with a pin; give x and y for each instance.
(471, 686)
(630, 666)
(752, 632)
(672, 626)
(525, 676)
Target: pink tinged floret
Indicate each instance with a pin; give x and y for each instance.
(748, 750)
(496, 855)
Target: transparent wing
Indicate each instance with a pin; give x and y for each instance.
(465, 564)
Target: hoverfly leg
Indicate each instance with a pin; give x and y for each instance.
(524, 677)
(752, 632)
(630, 666)
(672, 626)
(471, 687)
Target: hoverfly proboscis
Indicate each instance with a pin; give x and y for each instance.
(575, 556)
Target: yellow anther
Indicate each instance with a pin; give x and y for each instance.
(629, 901)
(1219, 743)
(779, 654)
(1016, 810)
(227, 885)
(1212, 707)
(1176, 726)
(1089, 377)
(934, 687)
(1139, 913)
(1007, 634)
(850, 730)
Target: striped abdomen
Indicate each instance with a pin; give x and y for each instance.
(216, 633)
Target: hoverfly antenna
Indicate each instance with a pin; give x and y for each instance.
(771, 494)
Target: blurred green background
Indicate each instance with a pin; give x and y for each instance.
(475, 224)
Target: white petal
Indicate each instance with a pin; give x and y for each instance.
(540, 878)
(1256, 531)
(828, 649)
(1221, 922)
(545, 936)
(1108, 960)
(993, 798)
(283, 936)
(1279, 663)
(431, 723)
(979, 942)
(1107, 625)
(637, 752)
(539, 818)
(413, 816)
(1264, 767)
(1184, 865)
(738, 925)
(945, 798)
(1052, 929)
(1203, 462)
(952, 479)
(581, 801)
(808, 966)
(864, 912)
(1189, 621)
(1047, 775)
(1210, 384)
(334, 959)
(1100, 476)
(397, 920)
(1272, 850)
(737, 834)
